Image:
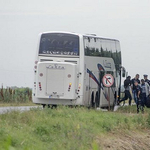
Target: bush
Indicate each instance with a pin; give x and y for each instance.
(15, 95)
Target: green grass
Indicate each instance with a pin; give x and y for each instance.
(66, 128)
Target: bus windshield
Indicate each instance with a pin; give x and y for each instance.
(59, 44)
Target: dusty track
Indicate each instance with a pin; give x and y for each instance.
(129, 140)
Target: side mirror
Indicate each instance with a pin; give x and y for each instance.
(123, 72)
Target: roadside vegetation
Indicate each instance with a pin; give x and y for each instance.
(75, 129)
(15, 96)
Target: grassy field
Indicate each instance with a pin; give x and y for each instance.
(75, 129)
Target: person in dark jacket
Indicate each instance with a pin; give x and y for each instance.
(136, 78)
(139, 100)
(127, 84)
(146, 78)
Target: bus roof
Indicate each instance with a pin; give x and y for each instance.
(84, 35)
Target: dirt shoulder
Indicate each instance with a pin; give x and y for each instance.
(127, 140)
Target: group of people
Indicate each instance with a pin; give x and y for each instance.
(139, 89)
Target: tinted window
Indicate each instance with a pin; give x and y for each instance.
(103, 48)
(59, 44)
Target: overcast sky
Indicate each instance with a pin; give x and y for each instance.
(22, 20)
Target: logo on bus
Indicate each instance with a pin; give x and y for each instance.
(55, 66)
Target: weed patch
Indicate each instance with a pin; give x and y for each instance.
(15, 95)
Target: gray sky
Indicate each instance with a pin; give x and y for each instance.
(22, 20)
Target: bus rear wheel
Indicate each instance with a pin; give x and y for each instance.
(92, 101)
(43, 105)
(52, 106)
(96, 100)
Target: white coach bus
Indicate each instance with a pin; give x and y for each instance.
(69, 68)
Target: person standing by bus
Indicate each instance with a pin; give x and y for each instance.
(146, 79)
(127, 84)
(139, 100)
(145, 90)
(136, 78)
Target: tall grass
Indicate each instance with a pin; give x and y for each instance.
(65, 128)
(15, 95)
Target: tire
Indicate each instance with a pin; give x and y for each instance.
(92, 100)
(43, 105)
(96, 100)
(54, 106)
